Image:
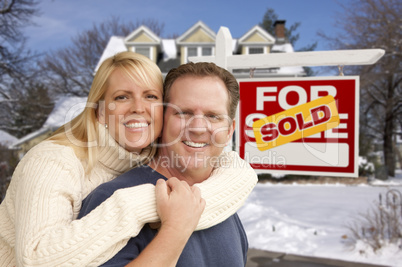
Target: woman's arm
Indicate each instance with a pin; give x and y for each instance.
(44, 195)
(226, 189)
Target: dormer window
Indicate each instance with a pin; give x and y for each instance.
(198, 51)
(197, 41)
(207, 51)
(145, 51)
(256, 41)
(192, 52)
(143, 41)
(256, 50)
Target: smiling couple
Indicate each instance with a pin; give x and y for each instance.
(74, 199)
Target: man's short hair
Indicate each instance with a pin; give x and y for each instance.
(204, 69)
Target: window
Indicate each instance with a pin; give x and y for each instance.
(256, 50)
(192, 52)
(143, 51)
(207, 51)
(197, 51)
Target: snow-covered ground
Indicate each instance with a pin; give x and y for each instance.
(311, 219)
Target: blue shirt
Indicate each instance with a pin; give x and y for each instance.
(222, 245)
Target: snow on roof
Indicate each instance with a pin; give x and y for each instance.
(6, 138)
(291, 70)
(169, 49)
(114, 46)
(234, 45)
(65, 109)
(287, 48)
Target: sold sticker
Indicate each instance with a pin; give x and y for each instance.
(301, 121)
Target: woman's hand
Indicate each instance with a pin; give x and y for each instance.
(179, 205)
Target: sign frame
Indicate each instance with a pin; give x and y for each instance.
(240, 128)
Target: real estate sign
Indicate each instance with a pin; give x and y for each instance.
(300, 125)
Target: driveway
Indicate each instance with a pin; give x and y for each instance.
(262, 258)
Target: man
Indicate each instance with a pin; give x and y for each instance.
(198, 122)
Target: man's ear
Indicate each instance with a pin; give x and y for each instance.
(100, 112)
(232, 128)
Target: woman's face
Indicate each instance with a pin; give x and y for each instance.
(133, 114)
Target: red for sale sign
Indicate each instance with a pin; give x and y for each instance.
(300, 125)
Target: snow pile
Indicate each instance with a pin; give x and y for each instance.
(7, 139)
(285, 48)
(311, 220)
(169, 49)
(365, 165)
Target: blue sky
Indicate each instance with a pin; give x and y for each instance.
(61, 20)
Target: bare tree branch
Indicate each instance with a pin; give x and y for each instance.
(375, 24)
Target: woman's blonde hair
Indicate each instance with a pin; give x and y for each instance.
(82, 132)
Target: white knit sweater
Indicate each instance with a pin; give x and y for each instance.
(37, 217)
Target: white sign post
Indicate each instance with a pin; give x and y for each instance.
(224, 56)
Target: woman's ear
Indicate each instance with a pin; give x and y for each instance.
(100, 112)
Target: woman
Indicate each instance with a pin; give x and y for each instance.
(122, 118)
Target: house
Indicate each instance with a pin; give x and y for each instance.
(65, 109)
(199, 40)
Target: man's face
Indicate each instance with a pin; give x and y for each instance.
(196, 122)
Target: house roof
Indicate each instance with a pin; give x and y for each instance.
(28, 137)
(65, 109)
(144, 35)
(257, 35)
(196, 27)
